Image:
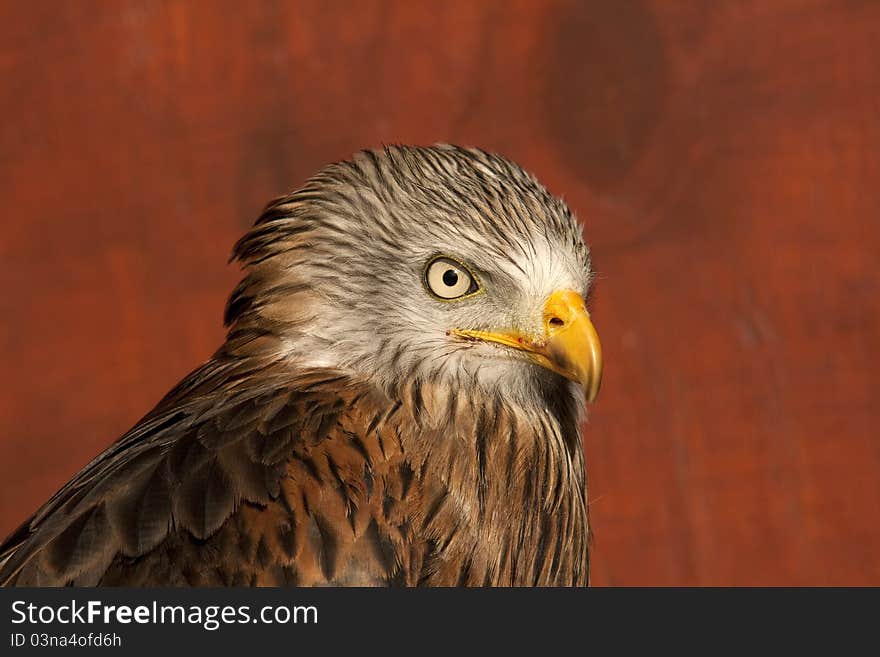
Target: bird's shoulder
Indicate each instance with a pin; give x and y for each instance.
(232, 438)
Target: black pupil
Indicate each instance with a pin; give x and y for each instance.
(450, 277)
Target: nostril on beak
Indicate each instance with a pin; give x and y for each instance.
(555, 322)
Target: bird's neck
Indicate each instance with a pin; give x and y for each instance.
(504, 482)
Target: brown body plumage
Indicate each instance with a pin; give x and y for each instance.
(265, 468)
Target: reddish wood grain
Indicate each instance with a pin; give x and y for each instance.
(723, 156)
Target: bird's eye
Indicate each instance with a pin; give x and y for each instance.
(449, 279)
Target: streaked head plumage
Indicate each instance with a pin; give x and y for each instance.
(351, 270)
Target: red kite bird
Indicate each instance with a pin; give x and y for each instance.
(397, 402)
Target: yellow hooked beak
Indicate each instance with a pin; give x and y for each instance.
(570, 345)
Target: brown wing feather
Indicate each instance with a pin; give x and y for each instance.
(223, 484)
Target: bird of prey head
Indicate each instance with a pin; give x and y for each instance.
(441, 264)
(398, 401)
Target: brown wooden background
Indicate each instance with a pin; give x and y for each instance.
(725, 157)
